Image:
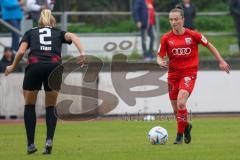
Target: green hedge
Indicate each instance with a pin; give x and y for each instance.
(202, 5)
(204, 23)
(115, 27)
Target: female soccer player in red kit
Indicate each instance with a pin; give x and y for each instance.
(181, 47)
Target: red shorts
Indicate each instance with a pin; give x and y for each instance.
(185, 81)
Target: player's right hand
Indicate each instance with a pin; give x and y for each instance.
(82, 61)
(9, 69)
(162, 63)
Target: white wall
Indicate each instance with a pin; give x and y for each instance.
(214, 91)
(96, 49)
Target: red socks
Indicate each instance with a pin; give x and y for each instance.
(182, 120)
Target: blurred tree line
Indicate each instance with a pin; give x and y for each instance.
(125, 5)
(202, 5)
(99, 21)
(92, 5)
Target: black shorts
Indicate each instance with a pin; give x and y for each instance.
(48, 74)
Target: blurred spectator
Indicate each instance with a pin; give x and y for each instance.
(7, 59)
(36, 6)
(234, 6)
(144, 17)
(0, 7)
(189, 9)
(12, 13)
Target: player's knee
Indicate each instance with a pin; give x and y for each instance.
(181, 104)
(29, 101)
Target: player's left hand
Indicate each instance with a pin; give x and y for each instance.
(82, 61)
(223, 65)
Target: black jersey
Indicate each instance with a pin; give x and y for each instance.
(45, 44)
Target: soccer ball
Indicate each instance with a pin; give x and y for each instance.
(149, 118)
(158, 135)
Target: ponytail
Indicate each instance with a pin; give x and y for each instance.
(46, 19)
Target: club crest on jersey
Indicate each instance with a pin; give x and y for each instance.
(187, 81)
(188, 41)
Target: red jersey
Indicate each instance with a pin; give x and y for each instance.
(151, 12)
(182, 50)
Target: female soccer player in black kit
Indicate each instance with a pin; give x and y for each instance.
(45, 43)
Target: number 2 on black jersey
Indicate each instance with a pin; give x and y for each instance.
(43, 33)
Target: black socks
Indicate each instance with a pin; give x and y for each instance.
(51, 122)
(30, 122)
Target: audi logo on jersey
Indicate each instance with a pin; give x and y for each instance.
(181, 51)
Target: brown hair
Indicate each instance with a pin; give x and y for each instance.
(179, 9)
(46, 19)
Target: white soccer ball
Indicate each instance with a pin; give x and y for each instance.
(149, 118)
(158, 135)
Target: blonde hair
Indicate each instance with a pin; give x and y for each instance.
(46, 19)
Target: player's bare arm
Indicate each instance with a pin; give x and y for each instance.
(72, 37)
(22, 49)
(223, 65)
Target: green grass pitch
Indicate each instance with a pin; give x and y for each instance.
(212, 138)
